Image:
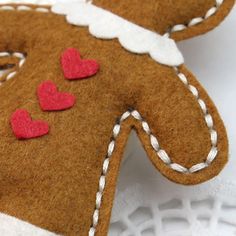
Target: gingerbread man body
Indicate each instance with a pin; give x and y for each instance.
(64, 182)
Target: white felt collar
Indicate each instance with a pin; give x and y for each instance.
(36, 2)
(106, 25)
(11, 226)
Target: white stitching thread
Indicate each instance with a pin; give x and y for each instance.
(175, 28)
(195, 21)
(156, 147)
(18, 55)
(153, 140)
(24, 8)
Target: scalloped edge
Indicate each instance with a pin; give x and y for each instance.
(38, 2)
(103, 24)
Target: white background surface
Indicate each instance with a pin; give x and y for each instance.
(212, 58)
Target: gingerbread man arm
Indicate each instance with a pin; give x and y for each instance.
(172, 116)
(186, 139)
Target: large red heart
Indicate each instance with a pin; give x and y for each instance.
(52, 100)
(75, 68)
(24, 128)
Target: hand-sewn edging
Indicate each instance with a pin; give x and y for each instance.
(179, 27)
(18, 55)
(153, 141)
(161, 153)
(197, 20)
(134, 45)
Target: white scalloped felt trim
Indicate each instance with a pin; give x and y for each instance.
(106, 25)
(11, 226)
(37, 2)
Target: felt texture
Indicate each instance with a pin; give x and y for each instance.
(75, 68)
(9, 64)
(161, 16)
(52, 100)
(52, 181)
(132, 37)
(24, 128)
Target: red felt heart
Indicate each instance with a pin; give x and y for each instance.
(75, 68)
(52, 100)
(24, 128)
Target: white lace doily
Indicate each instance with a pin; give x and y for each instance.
(146, 203)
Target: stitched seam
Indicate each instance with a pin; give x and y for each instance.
(136, 115)
(19, 56)
(176, 28)
(195, 21)
(24, 8)
(161, 153)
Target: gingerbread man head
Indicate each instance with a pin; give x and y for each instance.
(78, 77)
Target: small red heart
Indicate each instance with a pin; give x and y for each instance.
(24, 128)
(75, 68)
(52, 100)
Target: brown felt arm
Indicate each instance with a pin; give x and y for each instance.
(202, 23)
(185, 122)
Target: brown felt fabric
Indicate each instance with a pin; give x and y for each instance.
(10, 64)
(4, 61)
(52, 181)
(160, 16)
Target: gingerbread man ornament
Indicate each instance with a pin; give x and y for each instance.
(78, 76)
